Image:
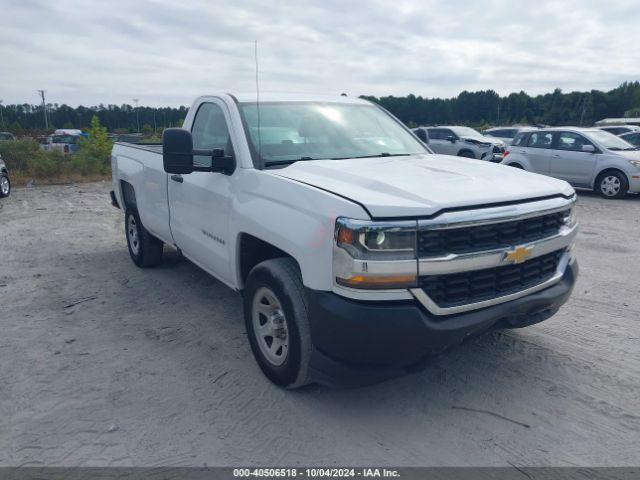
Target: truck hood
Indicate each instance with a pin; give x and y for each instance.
(422, 185)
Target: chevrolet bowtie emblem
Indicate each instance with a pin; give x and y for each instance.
(519, 255)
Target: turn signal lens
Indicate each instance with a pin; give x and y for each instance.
(346, 236)
(378, 282)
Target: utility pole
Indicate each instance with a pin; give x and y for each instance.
(584, 108)
(154, 121)
(135, 100)
(44, 109)
(499, 102)
(1, 114)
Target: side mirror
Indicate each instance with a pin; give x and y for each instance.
(178, 152)
(451, 138)
(588, 148)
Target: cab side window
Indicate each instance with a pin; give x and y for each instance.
(210, 131)
(572, 141)
(540, 140)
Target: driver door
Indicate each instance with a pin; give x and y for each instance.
(200, 201)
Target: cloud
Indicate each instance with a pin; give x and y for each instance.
(165, 52)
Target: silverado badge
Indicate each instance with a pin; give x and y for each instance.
(519, 255)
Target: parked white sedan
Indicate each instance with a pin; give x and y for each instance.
(584, 157)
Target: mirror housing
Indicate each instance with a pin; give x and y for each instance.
(588, 148)
(178, 152)
(451, 138)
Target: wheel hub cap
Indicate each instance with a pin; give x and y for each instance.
(610, 185)
(270, 326)
(4, 185)
(132, 235)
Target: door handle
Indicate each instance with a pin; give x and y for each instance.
(177, 178)
(556, 155)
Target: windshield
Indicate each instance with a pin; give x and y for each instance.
(609, 140)
(292, 131)
(467, 132)
(64, 139)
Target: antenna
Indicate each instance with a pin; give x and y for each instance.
(258, 105)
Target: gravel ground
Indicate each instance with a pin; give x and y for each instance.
(102, 363)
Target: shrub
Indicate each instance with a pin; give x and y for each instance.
(18, 153)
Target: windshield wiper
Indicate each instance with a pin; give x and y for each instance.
(287, 162)
(383, 154)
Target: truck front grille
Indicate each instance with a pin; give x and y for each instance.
(456, 289)
(436, 243)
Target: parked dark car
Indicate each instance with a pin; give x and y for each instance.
(5, 183)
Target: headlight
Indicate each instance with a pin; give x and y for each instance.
(375, 255)
(569, 218)
(635, 163)
(377, 240)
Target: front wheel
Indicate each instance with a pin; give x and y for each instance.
(466, 154)
(277, 320)
(612, 184)
(144, 248)
(5, 186)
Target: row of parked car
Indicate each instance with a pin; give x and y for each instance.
(592, 158)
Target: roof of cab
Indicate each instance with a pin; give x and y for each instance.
(297, 97)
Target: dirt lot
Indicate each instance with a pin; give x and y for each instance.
(102, 363)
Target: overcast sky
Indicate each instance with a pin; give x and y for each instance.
(165, 52)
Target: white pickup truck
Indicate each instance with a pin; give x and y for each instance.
(357, 251)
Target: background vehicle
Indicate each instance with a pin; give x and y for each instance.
(620, 129)
(632, 137)
(618, 121)
(67, 143)
(350, 241)
(584, 157)
(462, 142)
(5, 182)
(506, 134)
(6, 136)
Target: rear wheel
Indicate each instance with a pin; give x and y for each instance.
(5, 185)
(144, 248)
(277, 321)
(516, 165)
(612, 184)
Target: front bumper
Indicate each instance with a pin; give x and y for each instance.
(364, 342)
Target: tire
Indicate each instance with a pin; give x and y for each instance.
(5, 185)
(275, 307)
(516, 165)
(144, 248)
(612, 184)
(466, 154)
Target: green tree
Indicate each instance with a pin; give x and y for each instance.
(94, 154)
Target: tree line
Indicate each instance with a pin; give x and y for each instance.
(479, 109)
(486, 107)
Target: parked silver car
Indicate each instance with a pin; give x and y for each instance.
(584, 157)
(506, 134)
(462, 142)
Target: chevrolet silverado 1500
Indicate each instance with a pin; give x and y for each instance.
(357, 251)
